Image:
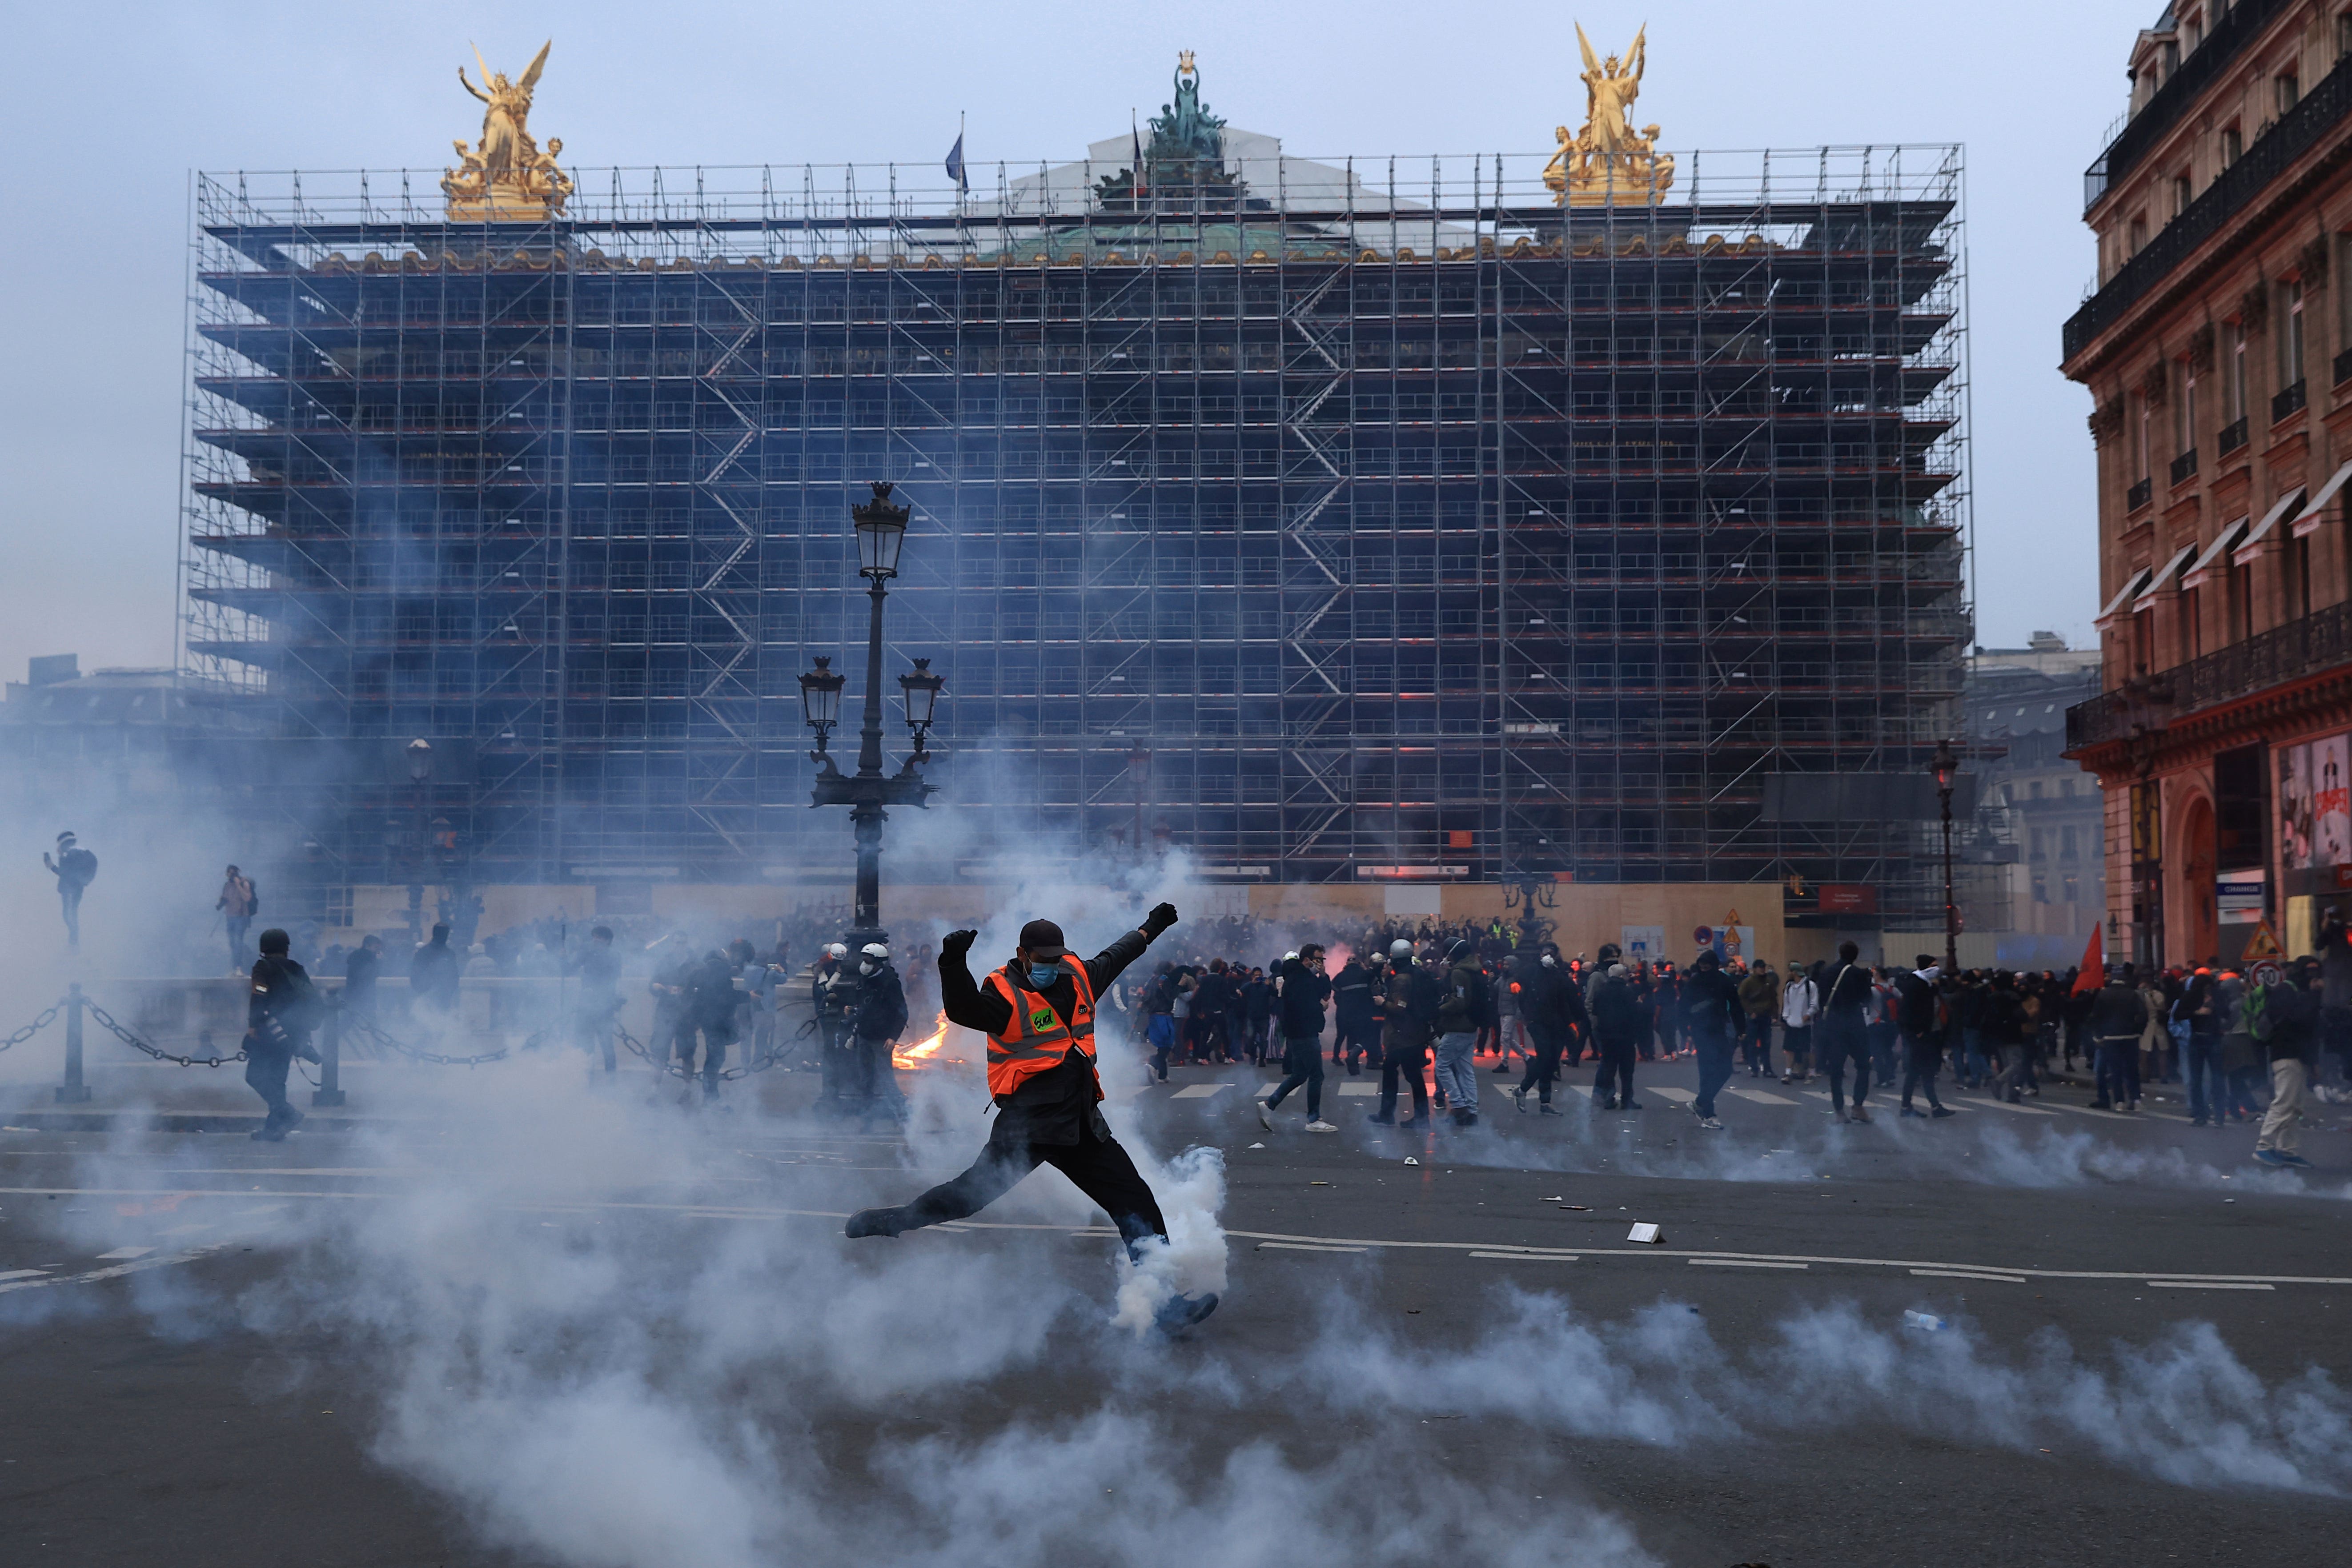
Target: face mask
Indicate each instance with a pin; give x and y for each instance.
(1549, 961)
(869, 967)
(1044, 975)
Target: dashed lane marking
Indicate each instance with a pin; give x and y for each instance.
(1198, 1090)
(1358, 1091)
(22, 1274)
(1761, 1097)
(124, 1253)
(1679, 1096)
(1531, 1256)
(2004, 1105)
(1969, 1274)
(1745, 1263)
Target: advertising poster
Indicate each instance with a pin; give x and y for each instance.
(2331, 805)
(1643, 944)
(2295, 819)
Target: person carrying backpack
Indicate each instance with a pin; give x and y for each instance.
(74, 868)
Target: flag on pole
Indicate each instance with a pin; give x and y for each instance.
(955, 164)
(1135, 142)
(2094, 972)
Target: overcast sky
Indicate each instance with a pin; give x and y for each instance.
(106, 110)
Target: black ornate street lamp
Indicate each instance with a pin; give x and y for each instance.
(881, 531)
(1947, 767)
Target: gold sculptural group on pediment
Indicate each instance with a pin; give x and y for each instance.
(505, 177)
(1609, 163)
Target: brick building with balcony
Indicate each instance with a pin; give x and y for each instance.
(2218, 350)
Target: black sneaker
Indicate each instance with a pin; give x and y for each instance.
(1519, 1099)
(1179, 1312)
(1630, 1105)
(1916, 1115)
(876, 1222)
(1377, 1120)
(1608, 1104)
(1942, 1111)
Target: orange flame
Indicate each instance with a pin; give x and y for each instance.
(919, 1053)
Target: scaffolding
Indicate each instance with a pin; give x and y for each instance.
(1331, 520)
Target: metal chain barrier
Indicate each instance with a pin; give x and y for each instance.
(415, 1054)
(774, 1056)
(106, 1021)
(35, 1027)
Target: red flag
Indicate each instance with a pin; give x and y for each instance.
(2095, 965)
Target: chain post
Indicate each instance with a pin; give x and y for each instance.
(73, 1091)
(330, 1061)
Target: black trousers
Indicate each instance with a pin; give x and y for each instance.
(265, 1073)
(1923, 1059)
(1845, 1040)
(1403, 1064)
(1544, 1065)
(1616, 1070)
(1096, 1165)
(716, 1038)
(1356, 1037)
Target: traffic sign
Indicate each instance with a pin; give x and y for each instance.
(2263, 943)
(2267, 971)
(1703, 936)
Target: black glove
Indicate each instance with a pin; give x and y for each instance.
(958, 943)
(1161, 917)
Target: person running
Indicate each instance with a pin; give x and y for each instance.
(1712, 1018)
(1845, 1031)
(1305, 989)
(1038, 1012)
(1553, 1009)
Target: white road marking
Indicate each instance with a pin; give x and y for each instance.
(1359, 1090)
(1198, 1090)
(124, 1253)
(1744, 1263)
(1679, 1096)
(1532, 1256)
(22, 1273)
(2214, 1284)
(1761, 1097)
(1968, 1274)
(2004, 1105)
(1303, 1247)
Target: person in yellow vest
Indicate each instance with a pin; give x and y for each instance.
(1038, 1012)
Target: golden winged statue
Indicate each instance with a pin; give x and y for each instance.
(1609, 161)
(505, 176)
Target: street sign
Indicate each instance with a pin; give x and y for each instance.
(2268, 972)
(1703, 936)
(1732, 918)
(2262, 944)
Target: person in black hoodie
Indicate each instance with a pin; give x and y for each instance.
(1358, 1019)
(1845, 1031)
(281, 1009)
(1618, 1022)
(1552, 1007)
(2116, 1018)
(1917, 1000)
(1305, 989)
(2286, 1026)
(1713, 1017)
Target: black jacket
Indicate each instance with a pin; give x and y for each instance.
(2117, 1014)
(1915, 1005)
(881, 1005)
(1051, 1106)
(1711, 1003)
(1304, 993)
(1616, 1012)
(433, 973)
(282, 1007)
(1351, 995)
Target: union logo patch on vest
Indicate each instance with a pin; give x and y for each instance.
(1041, 1019)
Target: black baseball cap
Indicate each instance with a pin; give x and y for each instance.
(1043, 939)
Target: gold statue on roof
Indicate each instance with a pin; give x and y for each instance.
(505, 176)
(1609, 163)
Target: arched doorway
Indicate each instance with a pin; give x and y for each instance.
(2194, 852)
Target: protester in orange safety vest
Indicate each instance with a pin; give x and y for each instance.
(1038, 1012)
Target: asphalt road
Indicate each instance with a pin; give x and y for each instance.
(1744, 1391)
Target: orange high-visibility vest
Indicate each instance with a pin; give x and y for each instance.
(1035, 1038)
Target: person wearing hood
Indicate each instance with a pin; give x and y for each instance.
(1458, 1017)
(1038, 1012)
(879, 1019)
(1712, 1018)
(281, 1009)
(1845, 1031)
(1919, 1016)
(1617, 1025)
(713, 995)
(1358, 1021)
(74, 868)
